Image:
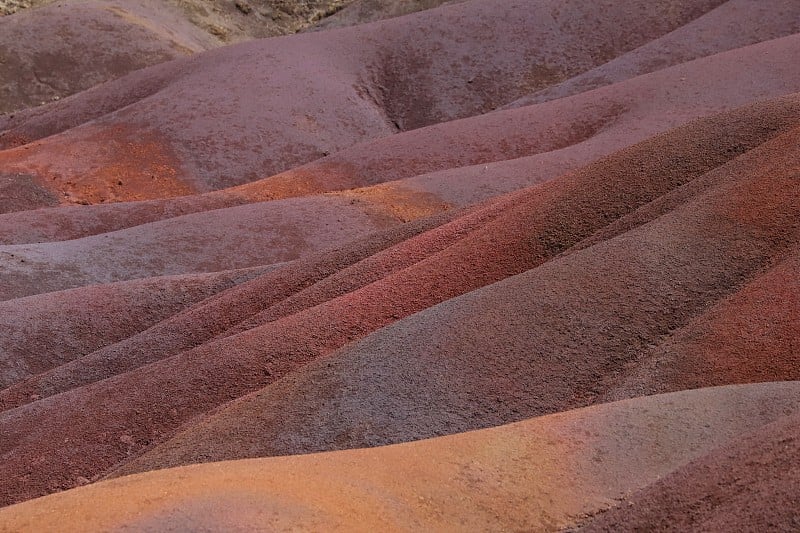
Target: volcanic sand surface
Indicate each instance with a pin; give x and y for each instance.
(545, 340)
(237, 237)
(519, 476)
(135, 252)
(352, 327)
(87, 318)
(216, 316)
(268, 346)
(586, 127)
(733, 24)
(324, 92)
(750, 336)
(65, 47)
(738, 134)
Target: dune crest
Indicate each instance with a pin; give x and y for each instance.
(484, 264)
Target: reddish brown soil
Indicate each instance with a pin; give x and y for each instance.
(538, 342)
(539, 143)
(327, 91)
(88, 318)
(338, 240)
(734, 24)
(507, 237)
(473, 478)
(58, 50)
(72, 45)
(750, 336)
(210, 318)
(239, 237)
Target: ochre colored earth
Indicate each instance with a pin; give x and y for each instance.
(486, 265)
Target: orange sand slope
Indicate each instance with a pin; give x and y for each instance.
(542, 473)
(428, 250)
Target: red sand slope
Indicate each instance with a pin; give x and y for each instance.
(738, 132)
(273, 104)
(88, 318)
(522, 476)
(750, 336)
(529, 228)
(538, 143)
(210, 318)
(538, 342)
(218, 315)
(464, 218)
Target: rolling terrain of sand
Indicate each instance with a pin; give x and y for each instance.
(485, 264)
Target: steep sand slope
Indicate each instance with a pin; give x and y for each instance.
(519, 476)
(750, 336)
(336, 272)
(710, 252)
(549, 339)
(750, 484)
(274, 104)
(109, 256)
(55, 51)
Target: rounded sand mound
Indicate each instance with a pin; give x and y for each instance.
(520, 476)
(477, 224)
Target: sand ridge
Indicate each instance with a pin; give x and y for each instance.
(454, 482)
(500, 264)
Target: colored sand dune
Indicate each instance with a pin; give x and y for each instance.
(488, 265)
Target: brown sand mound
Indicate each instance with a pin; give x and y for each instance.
(45, 331)
(733, 24)
(217, 316)
(237, 237)
(546, 340)
(554, 136)
(52, 52)
(529, 228)
(520, 476)
(111, 252)
(325, 92)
